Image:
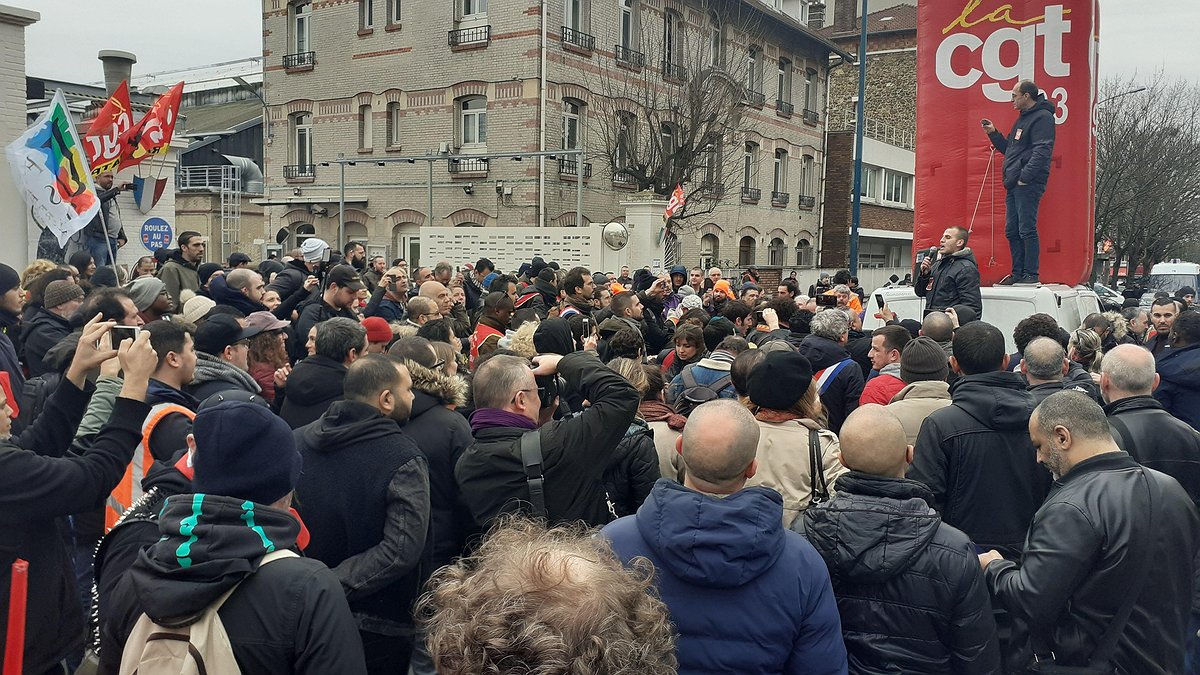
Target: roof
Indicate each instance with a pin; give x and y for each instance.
(220, 118)
(791, 22)
(900, 18)
(201, 78)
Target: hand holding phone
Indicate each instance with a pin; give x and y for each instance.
(879, 300)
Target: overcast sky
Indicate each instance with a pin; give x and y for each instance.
(1137, 36)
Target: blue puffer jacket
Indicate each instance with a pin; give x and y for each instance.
(1179, 391)
(746, 595)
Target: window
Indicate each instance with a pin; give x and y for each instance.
(366, 14)
(784, 81)
(870, 182)
(746, 251)
(669, 148)
(302, 145)
(300, 27)
(671, 36)
(626, 140)
(804, 253)
(711, 161)
(775, 252)
(715, 41)
(807, 176)
(896, 187)
(473, 7)
(781, 157)
(364, 127)
(750, 166)
(810, 89)
(572, 121)
(573, 15)
(474, 121)
(626, 23)
(754, 69)
(393, 125)
(710, 250)
(393, 11)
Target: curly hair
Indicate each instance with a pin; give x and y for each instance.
(546, 602)
(34, 270)
(267, 348)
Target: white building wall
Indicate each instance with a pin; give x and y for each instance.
(17, 233)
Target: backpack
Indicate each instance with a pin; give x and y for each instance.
(695, 393)
(197, 648)
(34, 394)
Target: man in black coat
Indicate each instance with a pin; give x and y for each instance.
(1027, 151)
(953, 279)
(316, 382)
(974, 455)
(575, 450)
(839, 379)
(41, 482)
(1111, 533)
(364, 496)
(908, 586)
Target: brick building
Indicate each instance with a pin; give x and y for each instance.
(366, 80)
(886, 224)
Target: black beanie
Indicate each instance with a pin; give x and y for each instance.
(546, 274)
(245, 451)
(780, 380)
(9, 279)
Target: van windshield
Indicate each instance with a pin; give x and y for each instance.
(1170, 282)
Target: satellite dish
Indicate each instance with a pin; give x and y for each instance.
(616, 236)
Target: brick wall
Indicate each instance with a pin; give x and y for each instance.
(891, 82)
(839, 183)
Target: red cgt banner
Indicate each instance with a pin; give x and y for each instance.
(970, 54)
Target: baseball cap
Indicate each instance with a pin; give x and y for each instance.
(221, 331)
(345, 276)
(238, 258)
(264, 321)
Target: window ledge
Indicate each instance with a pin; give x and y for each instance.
(301, 179)
(392, 27)
(810, 123)
(366, 151)
(298, 69)
(393, 148)
(576, 49)
(470, 46)
(363, 32)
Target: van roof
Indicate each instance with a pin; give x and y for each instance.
(1176, 268)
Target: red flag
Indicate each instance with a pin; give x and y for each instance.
(152, 135)
(676, 204)
(103, 137)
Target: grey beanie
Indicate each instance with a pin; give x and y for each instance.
(144, 290)
(923, 359)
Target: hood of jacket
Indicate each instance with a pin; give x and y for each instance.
(222, 294)
(434, 387)
(553, 336)
(709, 541)
(923, 389)
(209, 543)
(1181, 364)
(998, 400)
(822, 352)
(347, 423)
(546, 288)
(964, 255)
(874, 528)
(177, 257)
(1042, 104)
(158, 392)
(212, 369)
(310, 382)
(60, 355)
(164, 475)
(612, 324)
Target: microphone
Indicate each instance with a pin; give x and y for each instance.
(932, 253)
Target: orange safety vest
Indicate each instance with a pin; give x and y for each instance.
(129, 490)
(481, 334)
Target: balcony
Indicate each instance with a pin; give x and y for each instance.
(675, 72)
(577, 40)
(751, 195)
(712, 189)
(784, 108)
(299, 61)
(754, 98)
(780, 198)
(469, 38)
(570, 167)
(623, 178)
(812, 116)
(299, 172)
(464, 166)
(627, 57)
(807, 201)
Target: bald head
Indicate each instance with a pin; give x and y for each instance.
(873, 441)
(718, 445)
(938, 327)
(1044, 360)
(1127, 370)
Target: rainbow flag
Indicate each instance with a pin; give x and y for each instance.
(49, 166)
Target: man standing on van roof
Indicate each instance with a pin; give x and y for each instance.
(1026, 153)
(954, 278)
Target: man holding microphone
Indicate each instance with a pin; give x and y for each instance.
(1027, 151)
(949, 275)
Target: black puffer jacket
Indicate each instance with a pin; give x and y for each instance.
(1080, 556)
(634, 469)
(953, 280)
(908, 586)
(1029, 145)
(976, 458)
(315, 383)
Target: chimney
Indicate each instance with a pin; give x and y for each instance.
(118, 66)
(845, 13)
(816, 15)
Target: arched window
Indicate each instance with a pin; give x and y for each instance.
(783, 84)
(573, 124)
(810, 90)
(808, 175)
(468, 224)
(355, 232)
(746, 251)
(780, 184)
(406, 238)
(473, 121)
(672, 25)
(804, 253)
(365, 132)
(710, 250)
(775, 252)
(754, 69)
(716, 42)
(393, 125)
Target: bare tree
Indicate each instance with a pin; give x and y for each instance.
(673, 110)
(1147, 177)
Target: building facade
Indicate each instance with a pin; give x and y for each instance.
(373, 81)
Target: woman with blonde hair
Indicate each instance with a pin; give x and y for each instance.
(1084, 349)
(797, 455)
(635, 465)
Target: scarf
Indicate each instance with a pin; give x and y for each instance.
(487, 418)
(766, 415)
(657, 411)
(210, 368)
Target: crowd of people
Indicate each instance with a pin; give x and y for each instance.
(351, 465)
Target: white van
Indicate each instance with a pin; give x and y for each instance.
(1003, 306)
(1170, 277)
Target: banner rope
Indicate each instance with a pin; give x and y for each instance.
(978, 200)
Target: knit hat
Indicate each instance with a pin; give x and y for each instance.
(9, 279)
(197, 308)
(61, 291)
(144, 290)
(245, 451)
(105, 277)
(546, 274)
(912, 326)
(1186, 290)
(923, 359)
(780, 380)
(206, 270)
(378, 329)
(536, 266)
(264, 321)
(965, 315)
(724, 287)
(314, 250)
(691, 302)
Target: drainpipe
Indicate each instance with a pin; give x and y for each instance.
(542, 119)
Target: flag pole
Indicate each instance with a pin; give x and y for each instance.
(112, 256)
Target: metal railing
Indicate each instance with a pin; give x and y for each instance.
(580, 39)
(291, 171)
(876, 130)
(712, 188)
(750, 194)
(570, 167)
(754, 98)
(467, 165)
(624, 178)
(812, 116)
(806, 201)
(784, 107)
(469, 36)
(199, 177)
(628, 56)
(299, 60)
(780, 198)
(674, 71)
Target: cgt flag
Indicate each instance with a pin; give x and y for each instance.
(152, 134)
(676, 204)
(50, 168)
(103, 136)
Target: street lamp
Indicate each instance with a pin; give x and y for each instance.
(1124, 93)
